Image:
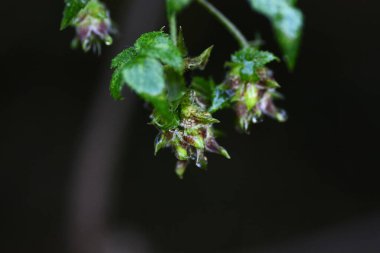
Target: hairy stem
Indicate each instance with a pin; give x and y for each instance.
(235, 32)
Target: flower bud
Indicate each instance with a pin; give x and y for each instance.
(180, 168)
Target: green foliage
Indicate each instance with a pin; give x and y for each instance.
(287, 23)
(205, 88)
(118, 63)
(145, 75)
(72, 8)
(247, 62)
(152, 68)
(175, 85)
(123, 58)
(159, 45)
(221, 98)
(217, 97)
(156, 68)
(150, 51)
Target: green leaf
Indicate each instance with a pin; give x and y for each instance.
(123, 58)
(246, 63)
(160, 46)
(117, 81)
(217, 97)
(175, 6)
(117, 84)
(145, 76)
(200, 61)
(72, 8)
(204, 88)
(175, 85)
(287, 22)
(221, 98)
(153, 68)
(154, 47)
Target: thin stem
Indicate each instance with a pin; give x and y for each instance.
(235, 32)
(173, 27)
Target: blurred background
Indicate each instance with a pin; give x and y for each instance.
(78, 172)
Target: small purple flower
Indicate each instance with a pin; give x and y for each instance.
(93, 27)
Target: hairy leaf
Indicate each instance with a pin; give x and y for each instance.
(145, 76)
(287, 21)
(160, 46)
(175, 85)
(72, 8)
(155, 48)
(123, 58)
(117, 83)
(118, 63)
(153, 68)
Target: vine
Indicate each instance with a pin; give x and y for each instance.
(182, 110)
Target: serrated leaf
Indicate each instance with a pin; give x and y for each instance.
(155, 46)
(117, 81)
(221, 98)
(145, 76)
(175, 6)
(287, 21)
(217, 97)
(153, 68)
(200, 61)
(72, 8)
(117, 84)
(246, 63)
(160, 46)
(123, 58)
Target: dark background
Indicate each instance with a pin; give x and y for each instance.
(309, 185)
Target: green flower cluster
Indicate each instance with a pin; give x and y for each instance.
(193, 136)
(253, 86)
(156, 67)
